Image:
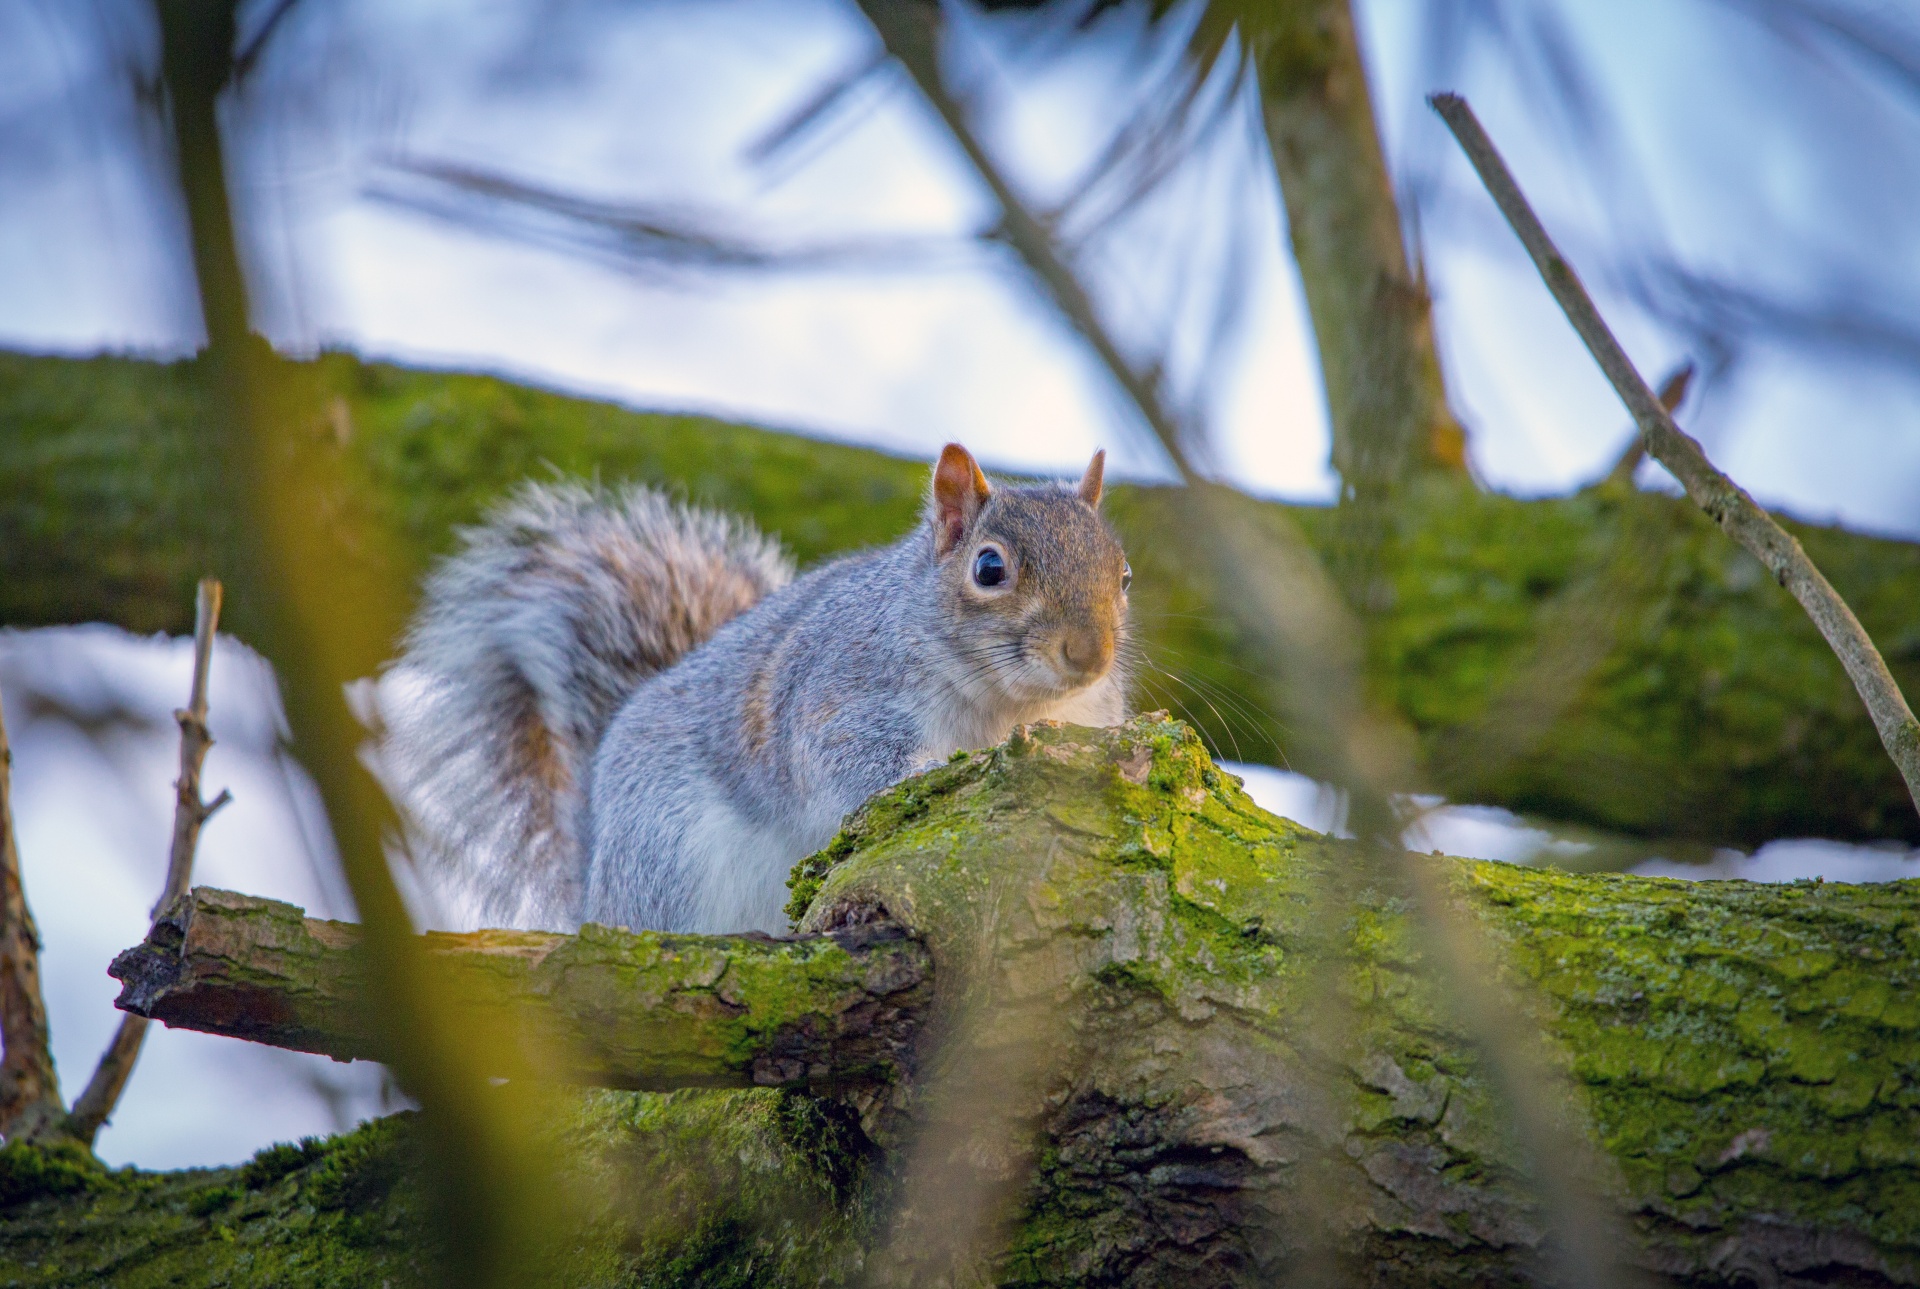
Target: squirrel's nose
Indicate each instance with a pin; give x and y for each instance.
(1086, 651)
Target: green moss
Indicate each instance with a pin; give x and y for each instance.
(1744, 1054)
(748, 1188)
(1714, 712)
(751, 1188)
(60, 1167)
(1732, 1036)
(277, 1160)
(275, 1225)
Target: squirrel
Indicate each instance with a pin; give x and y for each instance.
(614, 707)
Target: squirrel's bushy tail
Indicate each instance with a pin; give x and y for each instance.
(526, 642)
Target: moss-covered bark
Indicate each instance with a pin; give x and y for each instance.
(1162, 1055)
(1713, 712)
(709, 1189)
(607, 1007)
(1745, 1056)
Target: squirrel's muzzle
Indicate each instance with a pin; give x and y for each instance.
(1085, 654)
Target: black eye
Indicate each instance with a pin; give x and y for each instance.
(989, 567)
(1126, 576)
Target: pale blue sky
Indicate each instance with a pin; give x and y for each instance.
(1733, 152)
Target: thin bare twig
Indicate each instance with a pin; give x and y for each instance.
(29, 1086)
(189, 811)
(116, 1064)
(910, 33)
(1738, 515)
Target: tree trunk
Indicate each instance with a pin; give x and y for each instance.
(1161, 1052)
(1371, 315)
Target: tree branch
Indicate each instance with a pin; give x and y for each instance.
(116, 1064)
(29, 1086)
(1740, 1053)
(636, 1010)
(189, 811)
(1738, 515)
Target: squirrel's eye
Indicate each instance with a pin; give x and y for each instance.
(989, 567)
(1126, 576)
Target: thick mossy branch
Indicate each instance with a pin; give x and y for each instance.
(607, 1007)
(1165, 1050)
(1715, 710)
(1747, 1056)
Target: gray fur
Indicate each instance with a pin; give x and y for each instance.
(719, 770)
(718, 775)
(527, 640)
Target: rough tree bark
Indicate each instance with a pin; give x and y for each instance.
(620, 1009)
(1127, 1077)
(29, 1087)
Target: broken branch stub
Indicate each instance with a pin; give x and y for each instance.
(637, 1010)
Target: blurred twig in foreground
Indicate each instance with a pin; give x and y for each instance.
(1738, 515)
(320, 594)
(1577, 630)
(1284, 600)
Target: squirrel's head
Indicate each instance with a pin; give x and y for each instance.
(1032, 577)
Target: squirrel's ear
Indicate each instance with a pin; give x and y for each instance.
(1090, 481)
(959, 490)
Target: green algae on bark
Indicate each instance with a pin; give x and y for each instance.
(1744, 1055)
(1177, 1061)
(741, 1188)
(1713, 711)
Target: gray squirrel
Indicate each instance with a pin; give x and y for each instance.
(612, 707)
